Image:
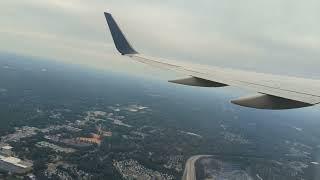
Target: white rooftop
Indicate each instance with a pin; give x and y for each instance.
(7, 147)
(12, 160)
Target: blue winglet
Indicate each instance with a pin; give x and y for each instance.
(120, 41)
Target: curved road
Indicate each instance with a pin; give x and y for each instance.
(189, 170)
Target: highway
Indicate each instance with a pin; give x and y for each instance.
(190, 170)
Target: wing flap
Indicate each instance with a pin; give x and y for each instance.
(194, 81)
(264, 101)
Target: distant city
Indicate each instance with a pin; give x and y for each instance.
(85, 134)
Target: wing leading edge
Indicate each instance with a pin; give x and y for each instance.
(274, 92)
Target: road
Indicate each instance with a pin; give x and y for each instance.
(189, 170)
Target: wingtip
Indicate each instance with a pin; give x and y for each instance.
(107, 14)
(121, 43)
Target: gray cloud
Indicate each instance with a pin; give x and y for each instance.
(249, 34)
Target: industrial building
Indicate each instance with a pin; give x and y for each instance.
(11, 164)
(14, 165)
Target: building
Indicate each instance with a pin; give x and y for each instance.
(6, 150)
(11, 164)
(107, 134)
(14, 165)
(89, 140)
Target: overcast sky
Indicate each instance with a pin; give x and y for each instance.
(281, 36)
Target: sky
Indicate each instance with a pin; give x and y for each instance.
(274, 36)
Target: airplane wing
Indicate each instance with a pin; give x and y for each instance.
(273, 91)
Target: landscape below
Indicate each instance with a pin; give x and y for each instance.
(60, 121)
